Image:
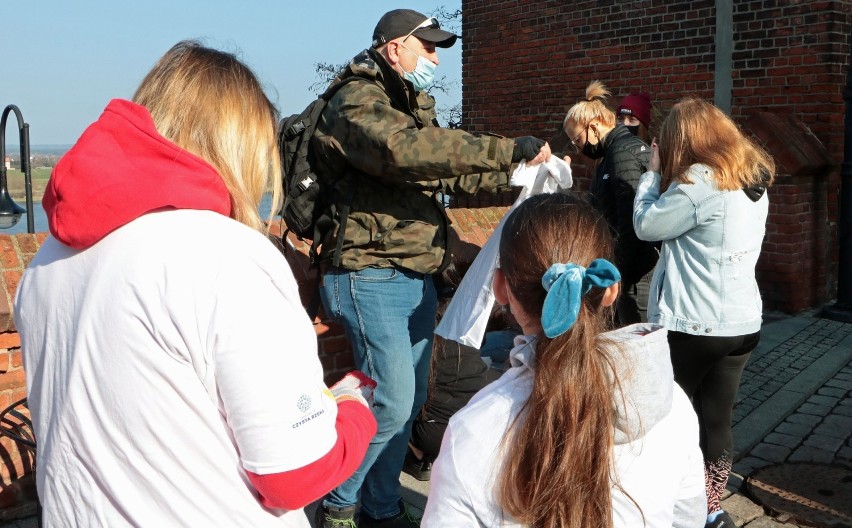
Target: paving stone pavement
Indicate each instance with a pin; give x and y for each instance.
(794, 405)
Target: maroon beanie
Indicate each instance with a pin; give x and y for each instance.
(637, 105)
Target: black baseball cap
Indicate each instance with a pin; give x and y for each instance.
(406, 22)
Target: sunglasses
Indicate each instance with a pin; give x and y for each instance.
(429, 23)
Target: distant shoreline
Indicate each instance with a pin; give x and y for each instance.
(39, 153)
(41, 146)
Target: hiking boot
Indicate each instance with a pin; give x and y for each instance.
(404, 519)
(723, 520)
(331, 517)
(421, 469)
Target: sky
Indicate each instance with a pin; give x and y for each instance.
(61, 62)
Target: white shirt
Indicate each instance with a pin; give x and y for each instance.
(658, 470)
(162, 363)
(466, 317)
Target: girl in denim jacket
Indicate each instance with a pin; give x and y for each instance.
(704, 197)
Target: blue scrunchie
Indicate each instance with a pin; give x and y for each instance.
(565, 285)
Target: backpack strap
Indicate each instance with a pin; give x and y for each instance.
(341, 231)
(326, 223)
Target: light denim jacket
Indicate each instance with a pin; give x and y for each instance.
(704, 282)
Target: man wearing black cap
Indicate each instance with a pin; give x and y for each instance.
(382, 157)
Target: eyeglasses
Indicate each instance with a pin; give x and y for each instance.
(429, 23)
(576, 139)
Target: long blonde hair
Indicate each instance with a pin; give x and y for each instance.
(695, 131)
(207, 102)
(558, 463)
(594, 108)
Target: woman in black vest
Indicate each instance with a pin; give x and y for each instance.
(622, 159)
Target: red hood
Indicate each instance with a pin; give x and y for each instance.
(120, 169)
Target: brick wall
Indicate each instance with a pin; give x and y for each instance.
(524, 63)
(790, 59)
(17, 489)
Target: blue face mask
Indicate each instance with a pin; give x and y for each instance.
(423, 74)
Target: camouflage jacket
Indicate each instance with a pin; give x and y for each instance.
(378, 148)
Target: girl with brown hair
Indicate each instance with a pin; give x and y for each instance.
(587, 428)
(705, 197)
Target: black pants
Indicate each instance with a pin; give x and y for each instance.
(632, 303)
(709, 370)
(427, 436)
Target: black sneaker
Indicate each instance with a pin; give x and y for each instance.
(331, 517)
(421, 469)
(404, 519)
(723, 520)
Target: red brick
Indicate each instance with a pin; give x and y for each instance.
(14, 379)
(16, 395)
(334, 345)
(11, 280)
(7, 397)
(9, 258)
(327, 363)
(345, 362)
(28, 243)
(27, 258)
(326, 329)
(10, 340)
(481, 235)
(789, 59)
(332, 376)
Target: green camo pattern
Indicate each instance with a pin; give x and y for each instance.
(378, 147)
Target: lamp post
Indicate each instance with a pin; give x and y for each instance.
(10, 212)
(842, 309)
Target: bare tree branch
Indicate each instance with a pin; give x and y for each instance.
(442, 84)
(452, 115)
(450, 19)
(325, 73)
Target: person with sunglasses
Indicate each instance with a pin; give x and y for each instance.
(381, 155)
(621, 159)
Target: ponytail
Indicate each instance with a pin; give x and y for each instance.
(594, 108)
(558, 467)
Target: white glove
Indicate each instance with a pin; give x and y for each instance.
(355, 386)
(524, 175)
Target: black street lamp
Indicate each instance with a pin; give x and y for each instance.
(10, 212)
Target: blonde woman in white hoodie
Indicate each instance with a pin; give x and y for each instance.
(588, 427)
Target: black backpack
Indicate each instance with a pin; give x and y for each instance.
(303, 195)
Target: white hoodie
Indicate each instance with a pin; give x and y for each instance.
(658, 462)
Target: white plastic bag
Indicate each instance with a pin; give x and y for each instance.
(467, 315)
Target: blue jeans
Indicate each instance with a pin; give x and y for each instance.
(389, 318)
